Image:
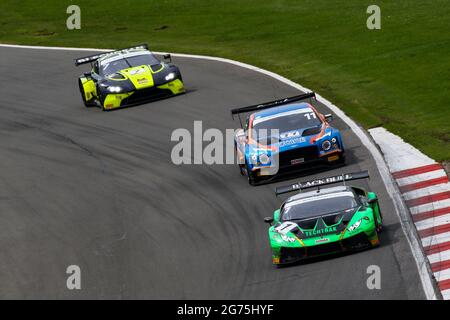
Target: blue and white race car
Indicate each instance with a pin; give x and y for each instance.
(285, 135)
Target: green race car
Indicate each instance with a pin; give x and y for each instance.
(127, 77)
(324, 221)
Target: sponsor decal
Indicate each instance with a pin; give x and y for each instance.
(318, 232)
(355, 225)
(297, 161)
(290, 134)
(137, 71)
(287, 239)
(322, 240)
(292, 142)
(142, 81)
(286, 227)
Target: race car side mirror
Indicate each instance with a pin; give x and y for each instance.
(168, 57)
(268, 220)
(328, 117)
(372, 201)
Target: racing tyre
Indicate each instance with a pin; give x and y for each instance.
(102, 103)
(241, 166)
(251, 177)
(241, 169)
(378, 226)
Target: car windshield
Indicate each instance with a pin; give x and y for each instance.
(110, 67)
(288, 121)
(318, 206)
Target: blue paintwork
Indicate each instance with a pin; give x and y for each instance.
(288, 143)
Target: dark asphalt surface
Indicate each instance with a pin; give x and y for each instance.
(98, 189)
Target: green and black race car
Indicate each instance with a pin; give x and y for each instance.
(324, 221)
(126, 77)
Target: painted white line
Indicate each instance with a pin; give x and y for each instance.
(430, 206)
(438, 188)
(52, 48)
(440, 256)
(436, 239)
(421, 177)
(398, 154)
(446, 294)
(433, 222)
(442, 275)
(400, 208)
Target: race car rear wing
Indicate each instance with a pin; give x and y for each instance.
(90, 59)
(322, 181)
(271, 104)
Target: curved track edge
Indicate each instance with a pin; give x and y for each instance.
(401, 209)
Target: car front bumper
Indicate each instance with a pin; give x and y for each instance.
(287, 255)
(118, 100)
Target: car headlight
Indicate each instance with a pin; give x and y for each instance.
(114, 89)
(264, 158)
(170, 76)
(326, 145)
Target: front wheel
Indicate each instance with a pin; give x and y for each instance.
(251, 176)
(102, 102)
(83, 95)
(240, 165)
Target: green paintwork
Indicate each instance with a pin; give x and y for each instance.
(367, 215)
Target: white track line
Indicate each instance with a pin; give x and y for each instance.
(391, 188)
(427, 191)
(421, 177)
(430, 206)
(436, 239)
(433, 222)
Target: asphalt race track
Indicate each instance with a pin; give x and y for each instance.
(98, 189)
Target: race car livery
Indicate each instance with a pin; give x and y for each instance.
(286, 135)
(127, 77)
(324, 221)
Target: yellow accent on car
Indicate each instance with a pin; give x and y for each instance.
(333, 158)
(176, 86)
(141, 76)
(90, 91)
(113, 101)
